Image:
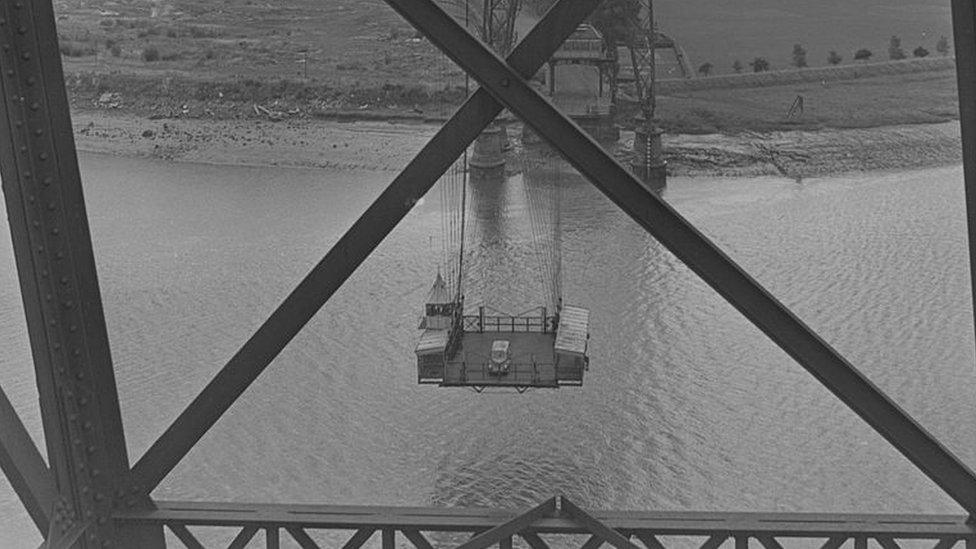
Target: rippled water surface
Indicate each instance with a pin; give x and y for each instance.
(685, 406)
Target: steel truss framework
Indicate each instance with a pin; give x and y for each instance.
(87, 495)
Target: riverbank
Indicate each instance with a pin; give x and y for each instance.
(388, 146)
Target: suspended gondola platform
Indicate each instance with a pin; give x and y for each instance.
(484, 351)
(545, 347)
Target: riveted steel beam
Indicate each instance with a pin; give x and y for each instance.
(964, 34)
(696, 251)
(56, 268)
(24, 467)
(351, 250)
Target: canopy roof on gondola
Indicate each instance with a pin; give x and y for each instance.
(439, 294)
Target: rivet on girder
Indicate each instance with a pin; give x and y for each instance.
(44, 271)
(31, 199)
(99, 496)
(52, 323)
(65, 280)
(36, 223)
(40, 250)
(69, 304)
(48, 180)
(22, 30)
(90, 449)
(72, 328)
(95, 473)
(6, 47)
(76, 352)
(51, 206)
(77, 441)
(35, 105)
(19, 123)
(27, 175)
(18, 5)
(59, 255)
(23, 149)
(11, 73)
(103, 520)
(73, 417)
(55, 231)
(31, 80)
(25, 56)
(80, 376)
(39, 131)
(42, 156)
(48, 296)
(87, 426)
(83, 401)
(2, 21)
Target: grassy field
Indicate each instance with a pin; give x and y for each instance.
(222, 58)
(869, 102)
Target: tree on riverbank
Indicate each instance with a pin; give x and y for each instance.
(862, 54)
(920, 52)
(705, 69)
(799, 56)
(759, 64)
(737, 66)
(834, 58)
(942, 46)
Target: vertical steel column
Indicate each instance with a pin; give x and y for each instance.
(56, 267)
(964, 31)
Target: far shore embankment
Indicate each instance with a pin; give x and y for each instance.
(386, 146)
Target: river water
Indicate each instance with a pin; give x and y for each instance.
(685, 405)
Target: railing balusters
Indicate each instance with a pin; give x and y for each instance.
(769, 542)
(834, 542)
(302, 537)
(860, 542)
(389, 538)
(272, 537)
(185, 536)
(417, 539)
(593, 543)
(534, 541)
(887, 542)
(240, 542)
(714, 542)
(741, 541)
(359, 538)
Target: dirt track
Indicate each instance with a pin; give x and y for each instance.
(386, 146)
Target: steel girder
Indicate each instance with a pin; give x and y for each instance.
(964, 32)
(351, 250)
(24, 467)
(59, 285)
(696, 251)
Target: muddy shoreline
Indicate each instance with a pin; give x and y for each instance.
(388, 145)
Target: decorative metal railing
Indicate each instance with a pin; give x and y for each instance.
(482, 323)
(426, 528)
